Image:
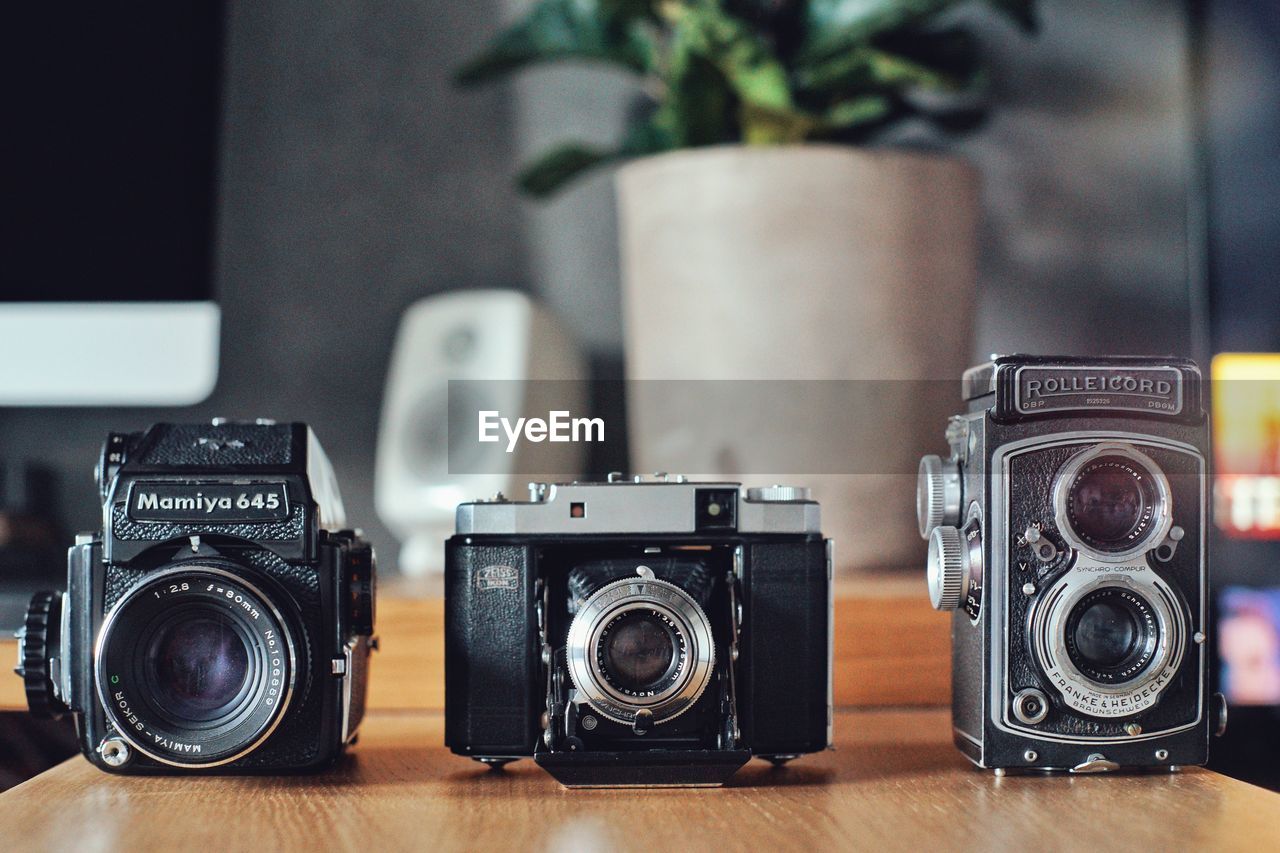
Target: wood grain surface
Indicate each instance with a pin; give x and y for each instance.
(893, 782)
(891, 649)
(11, 696)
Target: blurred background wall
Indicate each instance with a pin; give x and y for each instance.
(355, 179)
(1085, 163)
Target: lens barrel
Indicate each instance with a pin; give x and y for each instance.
(195, 666)
(1109, 643)
(640, 644)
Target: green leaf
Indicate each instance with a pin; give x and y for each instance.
(872, 68)
(856, 111)
(557, 167)
(764, 126)
(745, 60)
(612, 31)
(700, 106)
(562, 164)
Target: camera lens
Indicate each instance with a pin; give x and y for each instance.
(638, 650)
(1105, 634)
(1111, 635)
(1113, 501)
(640, 644)
(195, 666)
(1106, 501)
(198, 666)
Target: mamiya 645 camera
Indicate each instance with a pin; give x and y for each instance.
(221, 622)
(640, 632)
(1067, 529)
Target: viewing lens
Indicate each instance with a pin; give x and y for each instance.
(198, 667)
(1111, 503)
(1111, 635)
(638, 649)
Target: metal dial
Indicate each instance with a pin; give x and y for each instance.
(778, 493)
(946, 568)
(938, 494)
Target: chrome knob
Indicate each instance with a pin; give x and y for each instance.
(776, 493)
(945, 570)
(938, 494)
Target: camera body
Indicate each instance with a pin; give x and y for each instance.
(221, 622)
(639, 632)
(1067, 529)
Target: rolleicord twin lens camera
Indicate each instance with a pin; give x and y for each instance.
(221, 622)
(1067, 530)
(639, 632)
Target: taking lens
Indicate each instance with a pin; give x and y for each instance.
(1111, 503)
(637, 650)
(1112, 635)
(195, 666)
(640, 644)
(198, 666)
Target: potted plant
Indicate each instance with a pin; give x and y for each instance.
(767, 229)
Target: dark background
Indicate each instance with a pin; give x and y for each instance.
(353, 178)
(1239, 88)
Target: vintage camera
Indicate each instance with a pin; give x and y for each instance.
(642, 632)
(222, 621)
(1067, 530)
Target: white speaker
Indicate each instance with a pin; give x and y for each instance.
(472, 334)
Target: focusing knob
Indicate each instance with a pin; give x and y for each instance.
(945, 570)
(361, 582)
(776, 493)
(938, 494)
(38, 644)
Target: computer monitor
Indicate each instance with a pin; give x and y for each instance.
(1239, 104)
(112, 115)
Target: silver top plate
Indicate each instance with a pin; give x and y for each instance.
(634, 507)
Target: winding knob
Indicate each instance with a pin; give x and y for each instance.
(938, 493)
(38, 643)
(776, 493)
(945, 570)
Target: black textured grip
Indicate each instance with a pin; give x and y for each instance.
(493, 693)
(785, 642)
(225, 444)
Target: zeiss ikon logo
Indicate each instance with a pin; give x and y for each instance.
(559, 426)
(1156, 389)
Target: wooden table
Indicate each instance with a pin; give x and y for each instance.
(873, 666)
(894, 782)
